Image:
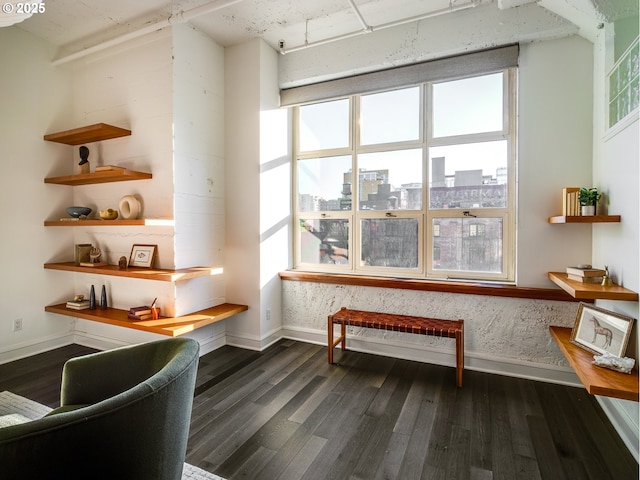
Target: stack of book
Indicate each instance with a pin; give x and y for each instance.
(585, 275)
(107, 168)
(570, 202)
(78, 304)
(142, 313)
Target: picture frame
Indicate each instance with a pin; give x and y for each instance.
(82, 252)
(598, 330)
(143, 256)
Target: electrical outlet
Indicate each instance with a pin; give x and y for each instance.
(268, 314)
(17, 325)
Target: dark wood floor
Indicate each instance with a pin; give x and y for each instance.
(286, 414)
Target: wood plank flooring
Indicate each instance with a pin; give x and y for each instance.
(286, 414)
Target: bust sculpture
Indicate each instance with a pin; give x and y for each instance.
(84, 166)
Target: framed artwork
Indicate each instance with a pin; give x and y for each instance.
(599, 331)
(143, 256)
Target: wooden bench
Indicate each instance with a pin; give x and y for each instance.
(398, 323)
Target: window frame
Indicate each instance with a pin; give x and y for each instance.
(425, 216)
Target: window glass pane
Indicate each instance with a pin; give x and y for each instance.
(324, 241)
(390, 180)
(324, 125)
(390, 116)
(468, 176)
(389, 242)
(467, 244)
(471, 105)
(324, 184)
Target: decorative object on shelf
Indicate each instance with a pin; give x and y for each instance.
(95, 254)
(83, 250)
(589, 198)
(103, 298)
(109, 168)
(78, 212)
(109, 214)
(606, 279)
(129, 207)
(570, 203)
(94, 258)
(143, 256)
(599, 331)
(84, 166)
(122, 263)
(92, 298)
(144, 312)
(78, 303)
(619, 364)
(155, 311)
(585, 273)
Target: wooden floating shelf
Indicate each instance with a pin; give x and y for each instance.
(98, 222)
(597, 380)
(585, 219)
(107, 176)
(591, 291)
(143, 273)
(88, 134)
(170, 326)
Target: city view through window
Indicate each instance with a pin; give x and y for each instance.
(383, 217)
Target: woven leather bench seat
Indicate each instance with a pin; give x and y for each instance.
(398, 323)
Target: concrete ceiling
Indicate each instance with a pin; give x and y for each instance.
(74, 25)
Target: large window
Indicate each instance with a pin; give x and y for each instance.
(415, 181)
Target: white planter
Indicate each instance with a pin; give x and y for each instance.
(588, 210)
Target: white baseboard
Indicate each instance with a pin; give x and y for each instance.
(622, 423)
(442, 356)
(27, 349)
(257, 344)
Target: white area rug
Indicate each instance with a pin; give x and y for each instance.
(16, 409)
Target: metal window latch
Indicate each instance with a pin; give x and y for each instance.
(324, 215)
(466, 213)
(389, 214)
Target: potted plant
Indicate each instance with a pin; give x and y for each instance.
(589, 198)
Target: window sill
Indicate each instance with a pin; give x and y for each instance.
(465, 288)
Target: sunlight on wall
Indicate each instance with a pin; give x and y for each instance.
(275, 194)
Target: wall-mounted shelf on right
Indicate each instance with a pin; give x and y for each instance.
(591, 291)
(585, 219)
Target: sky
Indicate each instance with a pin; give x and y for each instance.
(393, 117)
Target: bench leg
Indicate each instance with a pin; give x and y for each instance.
(330, 339)
(333, 342)
(459, 356)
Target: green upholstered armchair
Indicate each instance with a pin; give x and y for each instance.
(124, 414)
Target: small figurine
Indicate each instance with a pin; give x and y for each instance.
(122, 264)
(606, 280)
(94, 255)
(84, 166)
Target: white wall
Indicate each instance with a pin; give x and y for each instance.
(242, 153)
(28, 111)
(198, 165)
(616, 172)
(258, 185)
